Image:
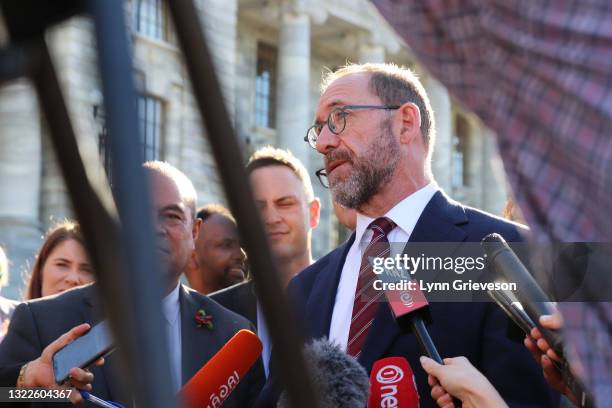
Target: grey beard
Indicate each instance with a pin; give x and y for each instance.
(371, 172)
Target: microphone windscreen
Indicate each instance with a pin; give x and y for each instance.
(392, 384)
(221, 374)
(339, 380)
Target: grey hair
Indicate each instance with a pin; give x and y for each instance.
(394, 85)
(186, 189)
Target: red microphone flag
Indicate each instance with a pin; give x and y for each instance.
(392, 384)
(216, 380)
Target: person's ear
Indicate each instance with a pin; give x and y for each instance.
(410, 118)
(314, 210)
(195, 231)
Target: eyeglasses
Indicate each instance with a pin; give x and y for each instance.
(336, 121)
(322, 176)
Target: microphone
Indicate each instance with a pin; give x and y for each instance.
(514, 310)
(215, 381)
(392, 384)
(339, 380)
(503, 261)
(410, 309)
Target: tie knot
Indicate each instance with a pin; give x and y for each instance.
(382, 225)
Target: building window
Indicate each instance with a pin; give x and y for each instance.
(265, 86)
(460, 176)
(150, 123)
(457, 163)
(150, 19)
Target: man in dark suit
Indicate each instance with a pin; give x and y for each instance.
(290, 211)
(38, 323)
(375, 127)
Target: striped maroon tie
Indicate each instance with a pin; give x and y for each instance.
(366, 298)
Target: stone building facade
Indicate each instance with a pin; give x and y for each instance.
(270, 56)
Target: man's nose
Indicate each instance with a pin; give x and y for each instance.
(327, 140)
(270, 215)
(158, 225)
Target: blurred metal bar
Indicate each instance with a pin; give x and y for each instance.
(283, 328)
(15, 62)
(138, 338)
(146, 346)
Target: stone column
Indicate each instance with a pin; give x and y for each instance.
(20, 169)
(494, 183)
(441, 163)
(469, 128)
(293, 82)
(369, 52)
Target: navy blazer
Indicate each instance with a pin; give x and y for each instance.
(474, 330)
(37, 323)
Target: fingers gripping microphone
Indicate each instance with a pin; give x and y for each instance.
(504, 262)
(392, 384)
(216, 380)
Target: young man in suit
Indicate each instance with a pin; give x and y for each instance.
(290, 211)
(37, 324)
(375, 128)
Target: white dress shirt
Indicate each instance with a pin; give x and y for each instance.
(172, 313)
(405, 214)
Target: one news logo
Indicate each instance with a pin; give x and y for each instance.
(389, 376)
(216, 400)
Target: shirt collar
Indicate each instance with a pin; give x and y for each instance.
(170, 304)
(414, 204)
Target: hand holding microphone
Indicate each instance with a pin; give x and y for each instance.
(459, 378)
(546, 356)
(502, 261)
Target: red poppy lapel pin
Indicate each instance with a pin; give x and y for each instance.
(204, 320)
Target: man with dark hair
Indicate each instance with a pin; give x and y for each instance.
(37, 324)
(289, 210)
(218, 260)
(375, 128)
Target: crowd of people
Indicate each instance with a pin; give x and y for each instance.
(375, 129)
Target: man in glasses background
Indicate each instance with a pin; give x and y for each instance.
(375, 128)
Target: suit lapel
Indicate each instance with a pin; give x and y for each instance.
(198, 344)
(250, 303)
(320, 305)
(439, 221)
